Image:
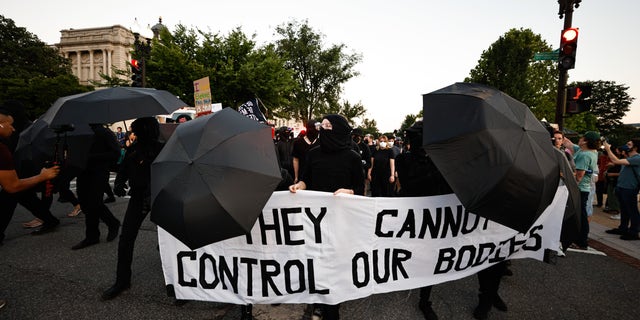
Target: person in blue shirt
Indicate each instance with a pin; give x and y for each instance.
(585, 155)
(627, 189)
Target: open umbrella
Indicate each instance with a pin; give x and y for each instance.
(493, 152)
(111, 105)
(67, 145)
(213, 177)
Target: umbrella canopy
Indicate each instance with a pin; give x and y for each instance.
(213, 177)
(111, 105)
(67, 145)
(493, 152)
(571, 219)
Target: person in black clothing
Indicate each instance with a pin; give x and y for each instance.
(301, 146)
(284, 149)
(90, 186)
(419, 176)
(28, 197)
(332, 167)
(363, 148)
(135, 168)
(382, 170)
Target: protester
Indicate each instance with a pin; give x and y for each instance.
(9, 180)
(585, 155)
(627, 191)
(611, 175)
(382, 171)
(121, 136)
(558, 140)
(14, 120)
(284, 149)
(332, 167)
(136, 168)
(601, 183)
(302, 145)
(418, 176)
(363, 148)
(91, 184)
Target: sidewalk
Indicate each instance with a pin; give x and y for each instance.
(601, 221)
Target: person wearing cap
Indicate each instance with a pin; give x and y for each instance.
(585, 155)
(627, 191)
(335, 167)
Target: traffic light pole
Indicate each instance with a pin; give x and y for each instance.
(142, 50)
(566, 10)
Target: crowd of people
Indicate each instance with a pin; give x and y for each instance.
(328, 156)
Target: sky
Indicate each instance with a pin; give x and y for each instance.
(408, 47)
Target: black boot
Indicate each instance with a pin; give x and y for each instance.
(427, 310)
(484, 306)
(246, 312)
(499, 303)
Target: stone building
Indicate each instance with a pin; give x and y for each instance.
(96, 50)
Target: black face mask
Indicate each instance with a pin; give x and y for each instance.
(332, 141)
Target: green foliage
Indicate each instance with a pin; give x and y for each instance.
(319, 73)
(349, 111)
(31, 71)
(508, 65)
(370, 126)
(238, 70)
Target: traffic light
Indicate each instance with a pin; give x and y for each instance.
(578, 99)
(568, 46)
(136, 71)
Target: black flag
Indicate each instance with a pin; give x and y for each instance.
(251, 110)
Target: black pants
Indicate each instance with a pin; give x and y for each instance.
(90, 190)
(137, 211)
(28, 199)
(489, 278)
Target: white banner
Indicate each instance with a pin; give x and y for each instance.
(314, 247)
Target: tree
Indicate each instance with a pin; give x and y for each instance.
(320, 73)
(238, 70)
(31, 71)
(349, 111)
(508, 65)
(609, 103)
(242, 71)
(370, 126)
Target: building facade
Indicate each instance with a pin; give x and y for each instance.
(96, 50)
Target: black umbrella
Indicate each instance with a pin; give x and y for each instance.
(493, 152)
(213, 177)
(111, 105)
(571, 219)
(66, 145)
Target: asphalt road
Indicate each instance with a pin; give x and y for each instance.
(42, 278)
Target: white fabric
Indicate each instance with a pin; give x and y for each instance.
(332, 262)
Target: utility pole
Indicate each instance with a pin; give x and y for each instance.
(566, 11)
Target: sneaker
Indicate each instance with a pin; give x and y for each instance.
(630, 236)
(615, 217)
(577, 247)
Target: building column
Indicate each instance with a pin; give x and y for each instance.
(91, 70)
(79, 67)
(109, 62)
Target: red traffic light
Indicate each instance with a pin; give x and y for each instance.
(135, 64)
(570, 34)
(568, 46)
